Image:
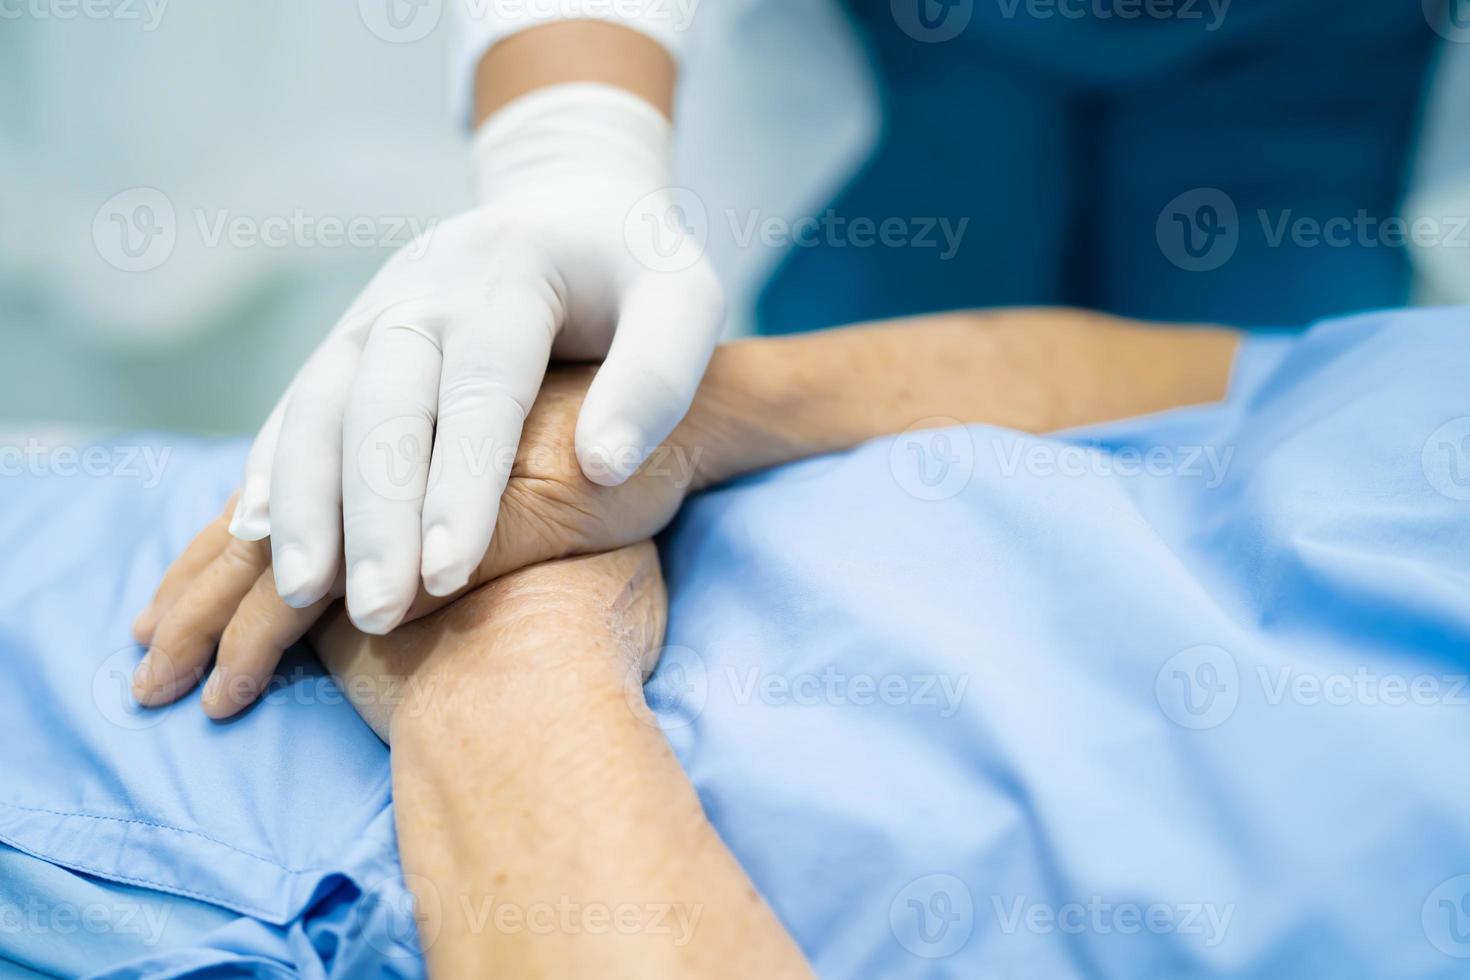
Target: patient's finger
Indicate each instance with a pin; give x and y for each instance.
(262, 629)
(205, 548)
(189, 628)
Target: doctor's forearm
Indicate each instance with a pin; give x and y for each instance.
(1031, 370)
(574, 51)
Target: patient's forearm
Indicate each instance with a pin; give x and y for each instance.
(540, 811)
(575, 834)
(1032, 370)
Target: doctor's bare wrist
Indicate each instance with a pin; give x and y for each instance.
(574, 51)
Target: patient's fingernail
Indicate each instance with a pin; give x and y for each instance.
(441, 576)
(293, 577)
(144, 679)
(213, 685)
(222, 696)
(371, 603)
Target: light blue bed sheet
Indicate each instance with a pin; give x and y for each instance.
(1183, 696)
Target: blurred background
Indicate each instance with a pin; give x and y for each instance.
(194, 192)
(190, 194)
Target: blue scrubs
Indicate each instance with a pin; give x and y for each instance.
(1232, 164)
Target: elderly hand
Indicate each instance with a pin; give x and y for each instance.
(567, 628)
(221, 590)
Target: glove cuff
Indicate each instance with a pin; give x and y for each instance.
(579, 128)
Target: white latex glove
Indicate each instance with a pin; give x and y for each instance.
(578, 251)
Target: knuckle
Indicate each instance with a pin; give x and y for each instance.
(178, 641)
(246, 640)
(241, 556)
(556, 512)
(374, 405)
(481, 393)
(309, 408)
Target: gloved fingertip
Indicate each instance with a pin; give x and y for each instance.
(251, 520)
(442, 569)
(373, 605)
(611, 456)
(297, 582)
(249, 528)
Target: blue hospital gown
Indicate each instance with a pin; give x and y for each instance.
(1178, 696)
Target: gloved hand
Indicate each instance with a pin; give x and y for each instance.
(393, 444)
(221, 590)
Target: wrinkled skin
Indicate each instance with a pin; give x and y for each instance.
(221, 591)
(594, 622)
